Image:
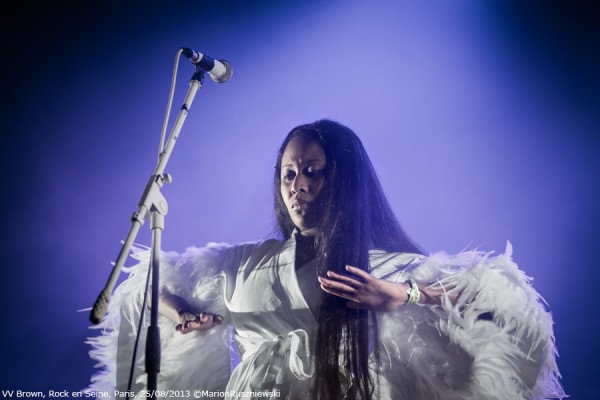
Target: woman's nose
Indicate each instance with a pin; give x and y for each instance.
(299, 184)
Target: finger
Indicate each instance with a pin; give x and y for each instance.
(211, 319)
(195, 326)
(359, 272)
(182, 329)
(345, 278)
(190, 323)
(202, 321)
(205, 318)
(186, 327)
(337, 293)
(205, 321)
(336, 285)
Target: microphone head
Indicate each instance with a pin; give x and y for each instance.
(223, 77)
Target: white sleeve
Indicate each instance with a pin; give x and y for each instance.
(195, 275)
(495, 341)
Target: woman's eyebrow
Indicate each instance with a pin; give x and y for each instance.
(312, 160)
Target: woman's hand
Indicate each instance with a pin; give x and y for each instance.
(365, 291)
(181, 312)
(198, 322)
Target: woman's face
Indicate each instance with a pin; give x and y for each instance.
(302, 179)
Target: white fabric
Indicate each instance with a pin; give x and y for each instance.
(427, 352)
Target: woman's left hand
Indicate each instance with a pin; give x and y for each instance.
(364, 290)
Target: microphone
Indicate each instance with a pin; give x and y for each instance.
(219, 70)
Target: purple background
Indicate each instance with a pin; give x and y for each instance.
(481, 119)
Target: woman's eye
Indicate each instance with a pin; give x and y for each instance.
(312, 173)
(289, 176)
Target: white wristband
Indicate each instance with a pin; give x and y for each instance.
(413, 292)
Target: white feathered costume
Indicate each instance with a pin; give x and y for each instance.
(494, 342)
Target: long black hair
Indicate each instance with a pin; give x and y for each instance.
(355, 218)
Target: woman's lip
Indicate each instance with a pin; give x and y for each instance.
(300, 204)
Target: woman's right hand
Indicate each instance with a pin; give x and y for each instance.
(198, 322)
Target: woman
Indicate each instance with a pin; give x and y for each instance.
(344, 307)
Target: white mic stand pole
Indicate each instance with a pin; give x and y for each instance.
(153, 202)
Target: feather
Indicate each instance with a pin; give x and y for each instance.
(193, 275)
(451, 352)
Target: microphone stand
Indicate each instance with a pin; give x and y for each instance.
(153, 202)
